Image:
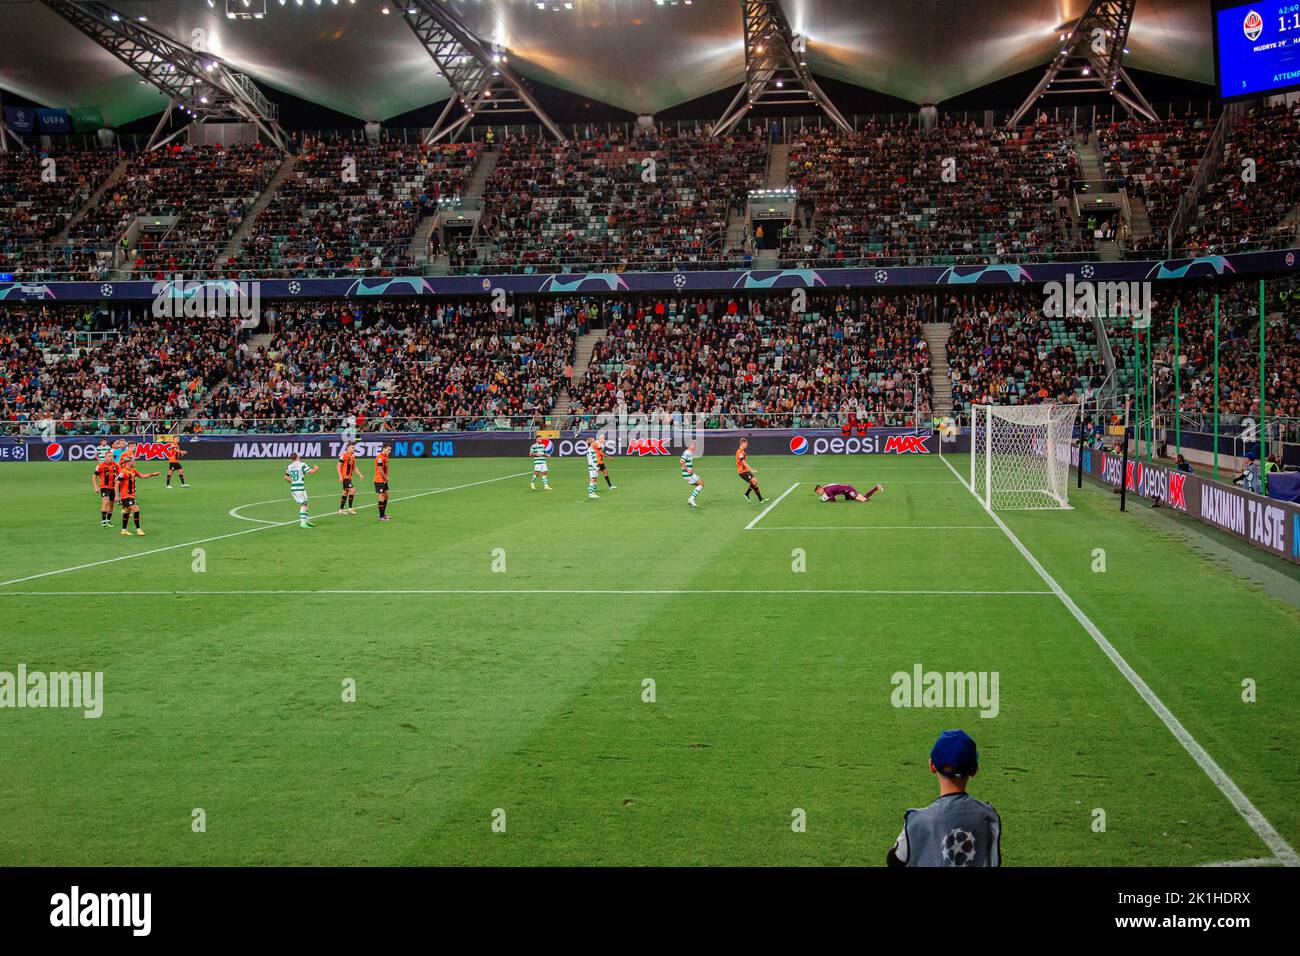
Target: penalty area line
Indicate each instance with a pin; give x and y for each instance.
(490, 591)
(759, 517)
(236, 534)
(1227, 786)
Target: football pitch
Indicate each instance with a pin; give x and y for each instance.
(544, 679)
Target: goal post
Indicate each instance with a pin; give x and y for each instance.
(1020, 455)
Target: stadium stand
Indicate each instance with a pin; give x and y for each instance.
(1004, 351)
(319, 223)
(878, 194)
(33, 212)
(84, 368)
(761, 363)
(209, 189)
(394, 365)
(1155, 162)
(598, 203)
(1233, 214)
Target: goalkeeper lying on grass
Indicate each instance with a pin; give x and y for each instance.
(849, 493)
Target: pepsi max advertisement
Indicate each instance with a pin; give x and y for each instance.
(505, 444)
(1269, 524)
(1257, 48)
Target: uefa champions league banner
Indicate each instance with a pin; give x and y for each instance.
(638, 442)
(1274, 262)
(1270, 524)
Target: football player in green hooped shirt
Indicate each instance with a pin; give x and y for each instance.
(539, 453)
(687, 462)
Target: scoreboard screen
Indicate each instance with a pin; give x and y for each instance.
(1257, 47)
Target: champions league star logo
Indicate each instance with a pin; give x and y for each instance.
(958, 848)
(1253, 26)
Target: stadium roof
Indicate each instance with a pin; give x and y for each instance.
(640, 55)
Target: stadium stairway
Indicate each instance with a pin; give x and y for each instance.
(735, 229)
(419, 247)
(582, 360)
(283, 172)
(936, 338)
(778, 165)
(1090, 169)
(1139, 223)
(483, 166)
(110, 181)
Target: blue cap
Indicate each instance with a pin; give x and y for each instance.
(954, 754)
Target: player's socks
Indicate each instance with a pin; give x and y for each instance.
(873, 491)
(758, 493)
(136, 515)
(383, 506)
(126, 519)
(343, 504)
(610, 483)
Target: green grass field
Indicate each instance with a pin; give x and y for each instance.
(522, 689)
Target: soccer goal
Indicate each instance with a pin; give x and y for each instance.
(1020, 455)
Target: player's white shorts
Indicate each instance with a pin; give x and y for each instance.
(593, 474)
(691, 479)
(300, 497)
(541, 469)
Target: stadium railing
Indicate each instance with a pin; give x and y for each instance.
(45, 273)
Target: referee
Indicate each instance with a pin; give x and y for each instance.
(957, 829)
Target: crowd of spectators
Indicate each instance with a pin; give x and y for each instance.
(758, 362)
(208, 189)
(79, 367)
(1155, 162)
(1245, 208)
(40, 192)
(1238, 366)
(1003, 350)
(350, 206)
(893, 192)
(395, 365)
(652, 199)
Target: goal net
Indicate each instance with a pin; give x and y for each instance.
(1020, 455)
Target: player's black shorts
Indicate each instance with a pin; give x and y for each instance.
(746, 476)
(381, 487)
(347, 484)
(127, 502)
(173, 466)
(601, 468)
(108, 493)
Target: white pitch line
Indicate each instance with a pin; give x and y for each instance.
(771, 506)
(879, 527)
(236, 534)
(234, 512)
(1227, 786)
(1256, 861)
(461, 591)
